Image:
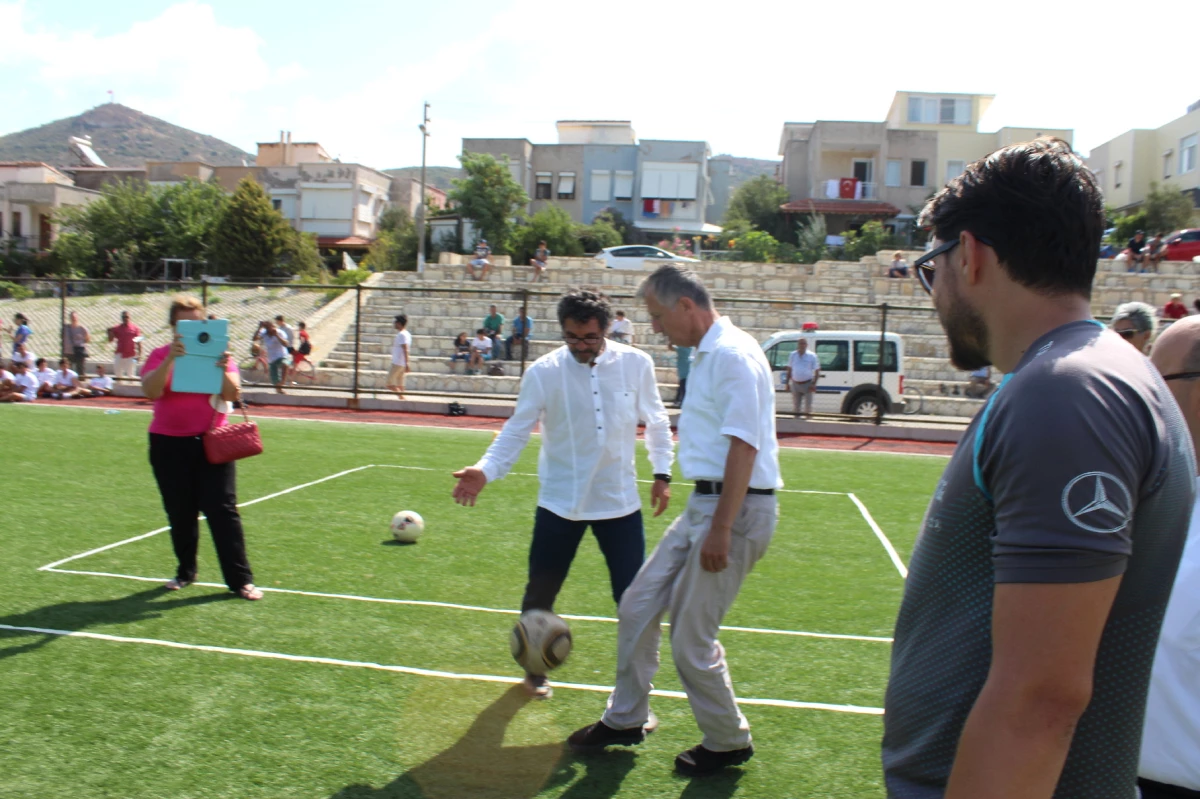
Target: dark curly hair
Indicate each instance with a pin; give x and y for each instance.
(580, 305)
(1040, 208)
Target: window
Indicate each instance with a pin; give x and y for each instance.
(953, 169)
(1117, 175)
(955, 111)
(669, 180)
(834, 355)
(566, 185)
(16, 224)
(623, 186)
(864, 170)
(1167, 165)
(866, 356)
(542, 192)
(923, 110)
(892, 175)
(1099, 173)
(780, 353)
(601, 188)
(917, 176)
(277, 205)
(1187, 154)
(939, 110)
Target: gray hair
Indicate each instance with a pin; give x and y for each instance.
(1139, 314)
(672, 282)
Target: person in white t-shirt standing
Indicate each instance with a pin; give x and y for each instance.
(590, 395)
(727, 447)
(803, 372)
(400, 356)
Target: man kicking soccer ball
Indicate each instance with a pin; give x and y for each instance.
(589, 395)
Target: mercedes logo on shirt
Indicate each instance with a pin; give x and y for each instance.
(1097, 502)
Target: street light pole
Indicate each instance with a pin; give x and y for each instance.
(421, 202)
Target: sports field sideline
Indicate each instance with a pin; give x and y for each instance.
(379, 670)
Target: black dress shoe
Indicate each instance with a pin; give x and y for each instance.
(700, 762)
(594, 737)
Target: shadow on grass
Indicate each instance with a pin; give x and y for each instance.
(75, 616)
(391, 542)
(479, 766)
(721, 785)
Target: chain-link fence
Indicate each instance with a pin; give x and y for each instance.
(350, 331)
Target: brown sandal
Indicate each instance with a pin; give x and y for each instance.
(248, 591)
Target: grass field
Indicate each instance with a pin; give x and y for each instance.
(286, 697)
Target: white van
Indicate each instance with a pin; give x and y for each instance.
(849, 370)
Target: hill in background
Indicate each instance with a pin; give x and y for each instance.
(437, 176)
(121, 136)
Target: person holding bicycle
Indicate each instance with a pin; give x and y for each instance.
(275, 343)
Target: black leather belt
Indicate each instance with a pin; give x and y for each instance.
(708, 488)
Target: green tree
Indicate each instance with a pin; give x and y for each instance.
(251, 236)
(810, 239)
(867, 240)
(1166, 210)
(616, 219)
(758, 246)
(489, 197)
(1126, 225)
(188, 213)
(552, 225)
(599, 235)
(396, 246)
(757, 202)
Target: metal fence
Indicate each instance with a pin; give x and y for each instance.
(350, 329)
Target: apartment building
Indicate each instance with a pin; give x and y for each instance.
(1126, 165)
(30, 194)
(659, 186)
(853, 171)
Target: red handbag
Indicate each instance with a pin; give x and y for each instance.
(232, 442)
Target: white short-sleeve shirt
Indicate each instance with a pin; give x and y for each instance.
(403, 339)
(101, 382)
(729, 393)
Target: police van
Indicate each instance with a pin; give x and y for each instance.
(849, 381)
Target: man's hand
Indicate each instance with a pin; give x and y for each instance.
(471, 481)
(714, 553)
(660, 496)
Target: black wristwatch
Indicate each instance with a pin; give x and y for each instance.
(666, 478)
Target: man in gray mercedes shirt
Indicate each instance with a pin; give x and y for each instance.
(1038, 583)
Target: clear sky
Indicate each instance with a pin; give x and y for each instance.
(353, 74)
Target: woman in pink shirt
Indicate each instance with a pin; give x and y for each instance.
(189, 484)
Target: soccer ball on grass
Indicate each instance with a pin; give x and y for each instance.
(540, 641)
(407, 526)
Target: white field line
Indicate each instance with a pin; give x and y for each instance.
(445, 675)
(474, 608)
(248, 503)
(459, 429)
(883, 539)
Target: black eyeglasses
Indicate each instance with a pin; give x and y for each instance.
(590, 339)
(924, 265)
(1182, 376)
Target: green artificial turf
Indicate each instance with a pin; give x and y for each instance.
(103, 718)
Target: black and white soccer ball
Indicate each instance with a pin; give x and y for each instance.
(540, 641)
(407, 526)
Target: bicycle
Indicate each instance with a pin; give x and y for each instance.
(301, 367)
(255, 367)
(914, 400)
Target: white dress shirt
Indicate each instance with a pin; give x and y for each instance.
(729, 393)
(590, 414)
(1171, 739)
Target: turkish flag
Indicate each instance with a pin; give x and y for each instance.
(847, 188)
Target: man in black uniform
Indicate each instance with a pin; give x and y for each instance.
(1038, 584)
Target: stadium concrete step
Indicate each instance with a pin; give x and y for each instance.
(435, 364)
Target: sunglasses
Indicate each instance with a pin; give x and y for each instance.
(925, 267)
(1182, 376)
(591, 339)
(1126, 334)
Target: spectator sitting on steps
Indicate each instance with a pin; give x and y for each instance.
(481, 350)
(462, 351)
(1175, 309)
(899, 267)
(481, 261)
(99, 386)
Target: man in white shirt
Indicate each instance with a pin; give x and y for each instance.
(45, 378)
(1170, 761)
(803, 372)
(590, 395)
(727, 447)
(24, 385)
(621, 329)
(66, 382)
(276, 344)
(101, 385)
(24, 355)
(400, 360)
(481, 350)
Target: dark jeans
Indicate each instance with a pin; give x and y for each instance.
(78, 358)
(681, 393)
(508, 347)
(190, 485)
(1158, 790)
(555, 540)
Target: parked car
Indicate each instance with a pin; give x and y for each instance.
(1183, 245)
(849, 370)
(633, 256)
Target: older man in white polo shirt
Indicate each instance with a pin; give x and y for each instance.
(589, 396)
(727, 447)
(1170, 762)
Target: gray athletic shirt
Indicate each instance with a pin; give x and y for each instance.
(1080, 468)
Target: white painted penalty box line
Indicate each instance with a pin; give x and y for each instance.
(54, 567)
(445, 675)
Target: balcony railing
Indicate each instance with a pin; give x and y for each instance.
(821, 190)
